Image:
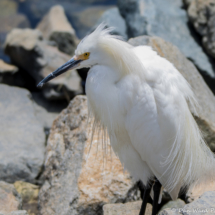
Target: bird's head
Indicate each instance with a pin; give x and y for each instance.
(92, 50)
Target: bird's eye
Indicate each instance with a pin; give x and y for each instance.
(86, 54)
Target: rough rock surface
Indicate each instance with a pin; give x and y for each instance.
(202, 15)
(197, 191)
(204, 205)
(29, 194)
(75, 184)
(164, 18)
(9, 198)
(174, 205)
(19, 212)
(56, 27)
(130, 208)
(112, 18)
(28, 50)
(22, 139)
(206, 119)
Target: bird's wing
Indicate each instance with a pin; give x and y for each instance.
(156, 117)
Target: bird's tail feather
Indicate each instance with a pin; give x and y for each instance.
(191, 159)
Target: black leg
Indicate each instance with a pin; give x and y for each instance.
(144, 195)
(156, 189)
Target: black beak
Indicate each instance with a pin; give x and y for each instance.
(71, 64)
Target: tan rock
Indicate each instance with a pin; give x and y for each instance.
(29, 193)
(28, 50)
(197, 191)
(205, 97)
(80, 178)
(130, 208)
(56, 27)
(9, 198)
(7, 68)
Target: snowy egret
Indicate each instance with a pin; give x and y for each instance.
(144, 104)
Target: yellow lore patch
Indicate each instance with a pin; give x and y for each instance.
(84, 56)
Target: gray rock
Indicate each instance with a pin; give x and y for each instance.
(20, 212)
(56, 27)
(28, 50)
(44, 117)
(204, 205)
(130, 208)
(173, 205)
(22, 139)
(202, 14)
(10, 200)
(74, 182)
(165, 19)
(112, 18)
(169, 212)
(206, 99)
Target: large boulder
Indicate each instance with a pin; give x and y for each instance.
(28, 50)
(202, 15)
(206, 99)
(10, 200)
(56, 27)
(166, 19)
(80, 177)
(22, 139)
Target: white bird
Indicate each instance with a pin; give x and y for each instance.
(144, 103)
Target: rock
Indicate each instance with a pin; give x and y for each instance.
(19, 212)
(206, 99)
(75, 184)
(7, 68)
(173, 205)
(164, 18)
(29, 194)
(56, 27)
(112, 18)
(130, 208)
(44, 117)
(86, 17)
(8, 74)
(28, 50)
(204, 205)
(187, 2)
(202, 15)
(169, 212)
(22, 139)
(9, 198)
(197, 191)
